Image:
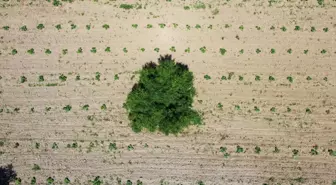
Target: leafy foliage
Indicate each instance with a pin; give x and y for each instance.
(162, 99)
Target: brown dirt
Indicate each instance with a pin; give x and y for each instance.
(195, 154)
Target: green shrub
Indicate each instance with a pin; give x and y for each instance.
(163, 97)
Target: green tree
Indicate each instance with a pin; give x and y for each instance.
(162, 99)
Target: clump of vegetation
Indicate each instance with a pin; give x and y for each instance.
(126, 6)
(5, 27)
(325, 29)
(314, 151)
(271, 78)
(258, 51)
(125, 50)
(187, 50)
(48, 51)
(203, 49)
(257, 150)
(23, 79)
(31, 51)
(309, 78)
(36, 167)
(305, 51)
(297, 28)
(289, 51)
(198, 26)
(323, 51)
(290, 79)
(64, 51)
(106, 26)
(58, 27)
(149, 26)
(33, 181)
(50, 180)
(116, 77)
(257, 78)
(239, 149)
(93, 50)
(157, 49)
(85, 107)
(14, 52)
(67, 180)
(130, 147)
(313, 29)
(88, 27)
(63, 78)
(207, 77)
(272, 50)
(108, 49)
(40, 26)
(295, 153)
(222, 51)
(103, 107)
(67, 108)
(283, 28)
(80, 50)
(163, 97)
(24, 28)
(172, 49)
(73, 26)
(241, 51)
(241, 27)
(162, 25)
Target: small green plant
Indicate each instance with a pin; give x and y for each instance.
(23, 79)
(323, 51)
(73, 26)
(139, 182)
(325, 29)
(198, 26)
(142, 49)
(256, 109)
(172, 49)
(113, 146)
(325, 79)
(80, 50)
(54, 146)
(241, 51)
(108, 49)
(187, 50)
(106, 26)
(157, 49)
(162, 25)
(220, 106)
(130, 147)
(64, 51)
(97, 77)
(239, 149)
(223, 78)
(200, 182)
(129, 182)
(210, 26)
(93, 50)
(125, 50)
(333, 182)
(241, 78)
(31, 51)
(58, 27)
(149, 26)
(203, 49)
(320, 2)
(257, 78)
(230, 75)
(56, 3)
(33, 181)
(67, 180)
(283, 28)
(241, 27)
(308, 111)
(257, 150)
(175, 25)
(126, 6)
(5, 27)
(289, 51)
(258, 27)
(290, 79)
(77, 78)
(227, 25)
(309, 78)
(314, 151)
(37, 145)
(116, 77)
(258, 51)
(222, 51)
(271, 78)
(135, 26)
(14, 51)
(63, 78)
(273, 109)
(24, 28)
(313, 29)
(272, 28)
(305, 51)
(103, 107)
(40, 26)
(295, 153)
(67, 108)
(289, 109)
(85, 107)
(276, 150)
(186, 7)
(272, 50)
(188, 27)
(50, 180)
(332, 152)
(18, 181)
(297, 28)
(36, 167)
(48, 51)
(88, 26)
(207, 77)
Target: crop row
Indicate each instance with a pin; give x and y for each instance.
(73, 26)
(203, 49)
(112, 147)
(103, 107)
(229, 76)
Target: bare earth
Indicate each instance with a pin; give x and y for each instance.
(304, 114)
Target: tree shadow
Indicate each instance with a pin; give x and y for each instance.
(7, 174)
